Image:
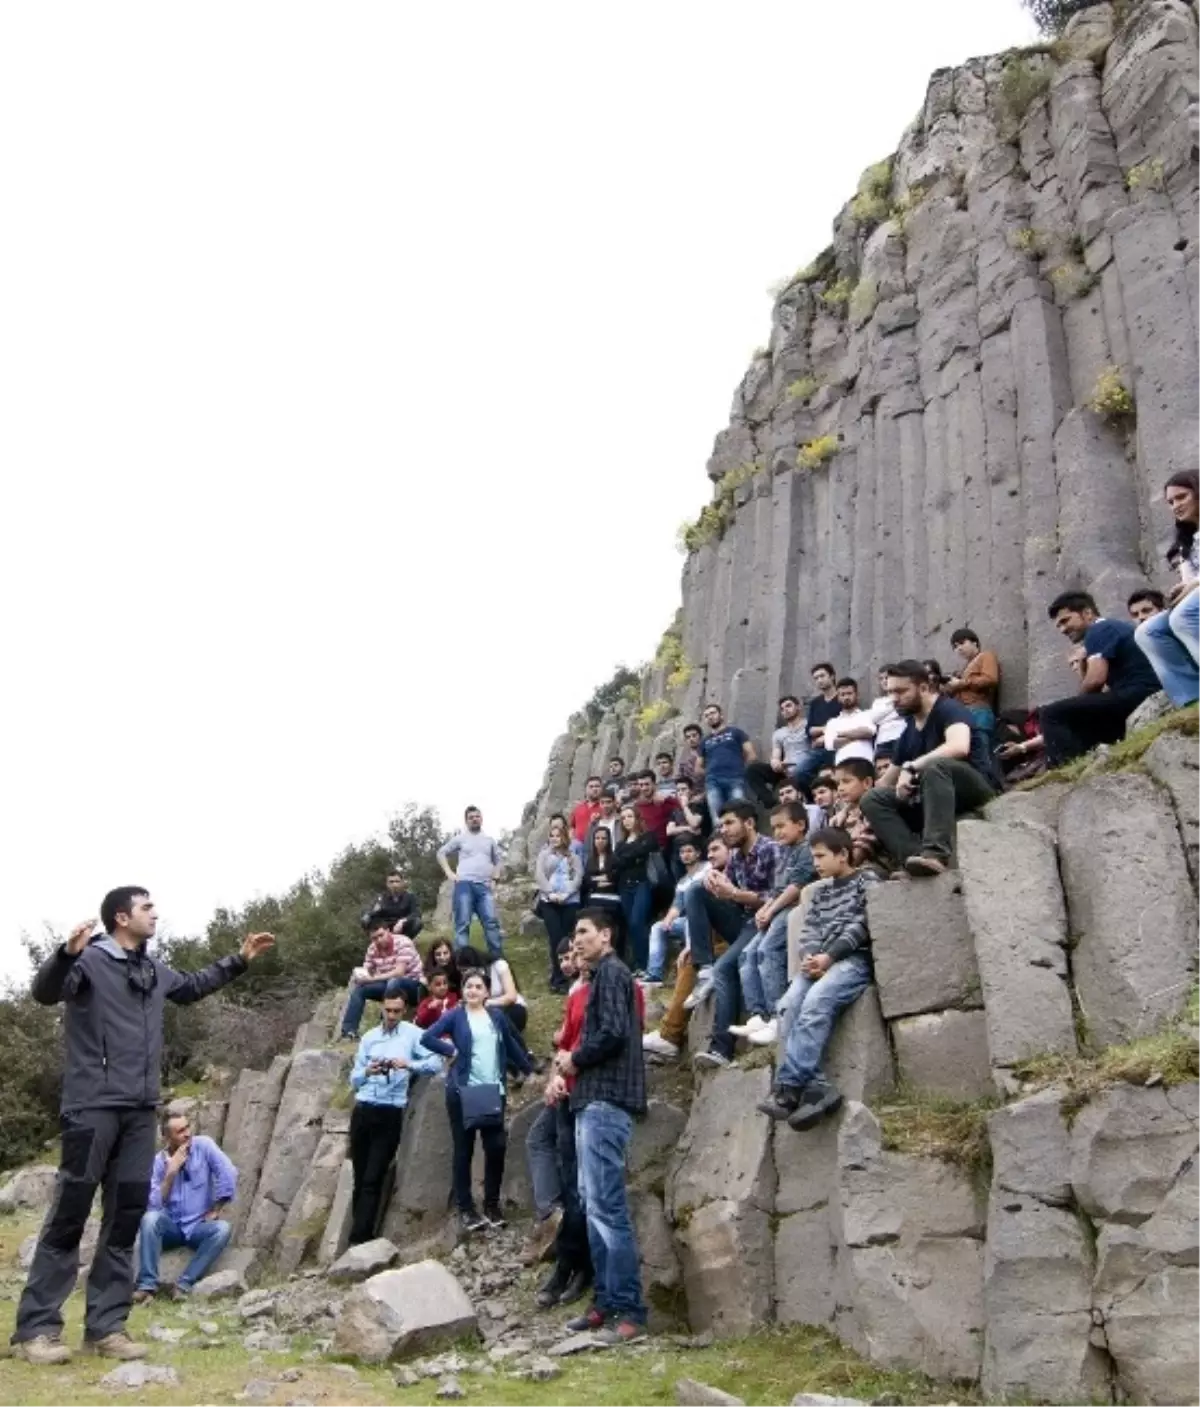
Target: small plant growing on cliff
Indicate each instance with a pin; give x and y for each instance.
(1022, 83)
(653, 716)
(1146, 175)
(1072, 280)
(801, 388)
(863, 300)
(904, 207)
(1029, 241)
(821, 267)
(1112, 399)
(837, 295)
(817, 452)
(870, 205)
(670, 657)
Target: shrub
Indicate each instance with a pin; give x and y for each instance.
(817, 452)
(1051, 16)
(863, 299)
(1146, 175)
(1029, 241)
(821, 267)
(653, 716)
(837, 295)
(870, 206)
(801, 388)
(905, 206)
(670, 657)
(1111, 398)
(1072, 280)
(709, 527)
(1022, 83)
(607, 694)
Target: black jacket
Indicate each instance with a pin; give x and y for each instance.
(392, 908)
(114, 1025)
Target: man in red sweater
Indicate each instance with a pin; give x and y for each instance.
(656, 815)
(587, 810)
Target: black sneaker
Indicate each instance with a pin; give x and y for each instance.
(471, 1222)
(577, 1286)
(551, 1289)
(495, 1218)
(783, 1103)
(818, 1103)
(591, 1319)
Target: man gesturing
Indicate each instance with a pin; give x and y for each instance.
(113, 992)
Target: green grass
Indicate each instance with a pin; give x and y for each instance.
(1123, 756)
(954, 1131)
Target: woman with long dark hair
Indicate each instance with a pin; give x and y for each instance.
(1170, 640)
(631, 859)
(441, 955)
(601, 888)
(558, 874)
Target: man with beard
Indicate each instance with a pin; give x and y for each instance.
(939, 770)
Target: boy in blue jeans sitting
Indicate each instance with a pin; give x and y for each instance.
(835, 970)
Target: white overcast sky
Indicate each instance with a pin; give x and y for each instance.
(358, 364)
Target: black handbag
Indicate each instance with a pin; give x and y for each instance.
(482, 1106)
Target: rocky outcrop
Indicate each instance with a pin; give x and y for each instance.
(398, 1311)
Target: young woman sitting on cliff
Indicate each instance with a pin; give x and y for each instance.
(1170, 640)
(441, 955)
(481, 1046)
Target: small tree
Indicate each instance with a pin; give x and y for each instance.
(1051, 16)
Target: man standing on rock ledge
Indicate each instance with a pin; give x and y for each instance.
(479, 863)
(114, 994)
(609, 1091)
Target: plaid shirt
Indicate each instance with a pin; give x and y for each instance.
(756, 870)
(609, 1057)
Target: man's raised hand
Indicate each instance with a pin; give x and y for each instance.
(78, 939)
(256, 944)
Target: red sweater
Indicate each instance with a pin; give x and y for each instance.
(572, 1027)
(582, 817)
(431, 1008)
(655, 815)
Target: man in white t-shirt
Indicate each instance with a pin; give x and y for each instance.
(850, 733)
(889, 725)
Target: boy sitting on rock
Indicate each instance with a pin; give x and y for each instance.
(835, 970)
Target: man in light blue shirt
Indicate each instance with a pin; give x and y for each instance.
(191, 1183)
(388, 1056)
(479, 862)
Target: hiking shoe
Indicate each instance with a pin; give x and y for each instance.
(767, 1033)
(118, 1345)
(924, 866)
(654, 1044)
(180, 1292)
(782, 1104)
(541, 1238)
(591, 1318)
(827, 1101)
(551, 1289)
(623, 1331)
(43, 1351)
(705, 982)
(141, 1296)
(755, 1024)
(494, 1218)
(577, 1286)
(471, 1222)
(711, 1060)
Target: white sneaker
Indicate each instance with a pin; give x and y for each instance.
(756, 1023)
(654, 1044)
(767, 1033)
(704, 985)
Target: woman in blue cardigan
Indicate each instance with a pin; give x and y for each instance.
(481, 1045)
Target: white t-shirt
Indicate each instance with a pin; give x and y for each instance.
(848, 723)
(500, 970)
(888, 723)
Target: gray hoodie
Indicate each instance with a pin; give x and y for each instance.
(114, 1018)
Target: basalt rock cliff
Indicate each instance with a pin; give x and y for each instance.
(967, 403)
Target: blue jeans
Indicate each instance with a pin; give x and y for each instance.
(814, 1008)
(814, 761)
(541, 1153)
(763, 967)
(660, 942)
(637, 901)
(363, 992)
(1169, 642)
(160, 1233)
(602, 1134)
(471, 897)
(720, 792)
(727, 989)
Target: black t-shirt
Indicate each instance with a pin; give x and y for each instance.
(916, 742)
(1131, 676)
(697, 808)
(820, 711)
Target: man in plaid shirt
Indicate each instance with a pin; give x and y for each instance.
(727, 902)
(610, 1089)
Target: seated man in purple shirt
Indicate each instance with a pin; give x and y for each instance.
(191, 1183)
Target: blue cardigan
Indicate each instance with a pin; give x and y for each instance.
(454, 1026)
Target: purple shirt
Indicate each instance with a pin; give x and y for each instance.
(755, 871)
(206, 1178)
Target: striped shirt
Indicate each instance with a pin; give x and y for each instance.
(836, 921)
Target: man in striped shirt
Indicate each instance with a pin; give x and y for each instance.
(835, 970)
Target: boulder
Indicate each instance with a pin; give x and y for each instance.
(304, 1224)
(132, 1377)
(690, 1392)
(517, 1188)
(923, 961)
(312, 1078)
(443, 913)
(1172, 761)
(1039, 806)
(421, 1192)
(1133, 921)
(724, 1151)
(399, 1311)
(910, 1276)
(1127, 1148)
(29, 1187)
(1018, 922)
(336, 1236)
(944, 1053)
(728, 1267)
(364, 1260)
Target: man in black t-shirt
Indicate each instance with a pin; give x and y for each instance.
(940, 769)
(822, 707)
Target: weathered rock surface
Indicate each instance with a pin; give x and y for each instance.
(690, 1392)
(308, 1211)
(1134, 921)
(923, 966)
(366, 1259)
(336, 1235)
(1171, 760)
(728, 1266)
(944, 1053)
(29, 1187)
(724, 1151)
(398, 1311)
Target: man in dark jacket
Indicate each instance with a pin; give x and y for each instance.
(113, 992)
(397, 906)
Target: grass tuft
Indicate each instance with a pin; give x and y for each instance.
(954, 1131)
(1123, 756)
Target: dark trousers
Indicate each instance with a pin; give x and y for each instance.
(374, 1137)
(560, 923)
(704, 913)
(949, 787)
(108, 1148)
(571, 1251)
(637, 901)
(495, 1144)
(1071, 727)
(811, 764)
(765, 782)
(727, 995)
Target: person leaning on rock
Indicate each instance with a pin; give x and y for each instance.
(113, 992)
